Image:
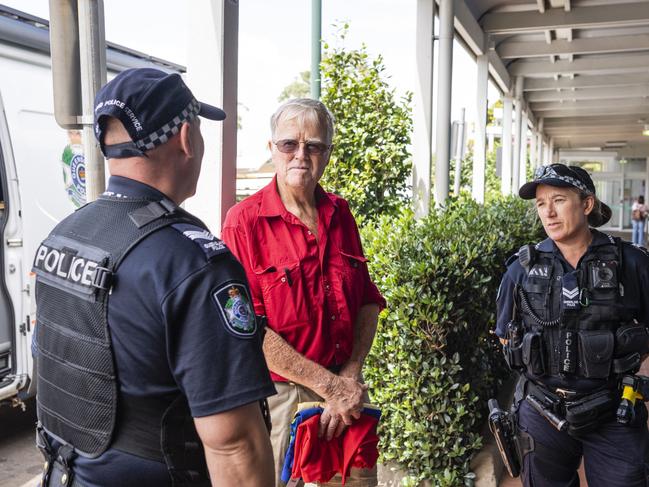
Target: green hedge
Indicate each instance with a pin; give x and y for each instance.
(434, 363)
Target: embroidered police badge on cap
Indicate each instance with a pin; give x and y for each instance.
(235, 306)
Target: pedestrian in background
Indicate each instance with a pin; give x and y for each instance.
(638, 217)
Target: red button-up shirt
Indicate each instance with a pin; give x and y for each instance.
(310, 289)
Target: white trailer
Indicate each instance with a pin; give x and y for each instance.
(42, 179)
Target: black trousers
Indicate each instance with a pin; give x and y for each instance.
(615, 455)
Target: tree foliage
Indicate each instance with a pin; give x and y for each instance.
(434, 362)
(299, 88)
(370, 162)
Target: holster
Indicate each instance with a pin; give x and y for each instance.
(57, 470)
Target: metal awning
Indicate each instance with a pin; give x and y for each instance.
(584, 64)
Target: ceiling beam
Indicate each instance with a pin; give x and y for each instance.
(606, 121)
(596, 141)
(476, 40)
(631, 130)
(587, 94)
(629, 63)
(468, 27)
(619, 15)
(594, 81)
(592, 45)
(544, 106)
(640, 112)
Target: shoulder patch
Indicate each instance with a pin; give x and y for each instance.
(233, 301)
(208, 243)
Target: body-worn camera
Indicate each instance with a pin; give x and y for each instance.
(603, 275)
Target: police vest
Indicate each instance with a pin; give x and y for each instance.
(78, 400)
(575, 324)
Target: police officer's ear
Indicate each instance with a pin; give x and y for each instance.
(589, 204)
(187, 138)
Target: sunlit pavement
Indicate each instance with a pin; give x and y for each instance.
(20, 461)
(507, 481)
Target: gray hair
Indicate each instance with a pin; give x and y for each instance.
(306, 110)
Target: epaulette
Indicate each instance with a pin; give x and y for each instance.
(208, 243)
(639, 247)
(512, 258)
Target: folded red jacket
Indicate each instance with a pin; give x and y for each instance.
(318, 460)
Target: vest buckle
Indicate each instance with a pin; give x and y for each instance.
(565, 393)
(102, 278)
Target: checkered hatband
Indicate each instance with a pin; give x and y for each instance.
(168, 130)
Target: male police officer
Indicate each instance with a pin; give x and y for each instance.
(146, 333)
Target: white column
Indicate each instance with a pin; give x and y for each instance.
(422, 136)
(551, 151)
(522, 174)
(212, 61)
(646, 182)
(479, 149)
(517, 135)
(533, 151)
(506, 144)
(444, 76)
(539, 143)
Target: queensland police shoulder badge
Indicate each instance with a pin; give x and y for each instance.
(233, 301)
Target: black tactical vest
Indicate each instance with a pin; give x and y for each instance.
(78, 401)
(575, 324)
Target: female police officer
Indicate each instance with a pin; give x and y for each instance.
(572, 315)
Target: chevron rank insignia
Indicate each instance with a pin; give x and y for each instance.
(207, 242)
(570, 292)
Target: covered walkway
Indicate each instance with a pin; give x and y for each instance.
(574, 78)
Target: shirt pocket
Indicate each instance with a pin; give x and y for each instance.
(282, 288)
(354, 269)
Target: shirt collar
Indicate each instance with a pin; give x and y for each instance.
(599, 239)
(122, 187)
(272, 205)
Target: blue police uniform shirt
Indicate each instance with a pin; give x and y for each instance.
(635, 279)
(170, 335)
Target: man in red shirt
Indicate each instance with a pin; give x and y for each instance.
(303, 257)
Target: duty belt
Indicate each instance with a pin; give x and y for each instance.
(573, 411)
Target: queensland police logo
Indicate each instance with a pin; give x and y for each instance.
(78, 172)
(238, 314)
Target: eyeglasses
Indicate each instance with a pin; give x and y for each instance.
(552, 170)
(291, 146)
(564, 173)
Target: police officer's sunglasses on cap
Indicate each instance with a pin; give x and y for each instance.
(559, 171)
(291, 146)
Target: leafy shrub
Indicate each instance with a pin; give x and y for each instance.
(370, 163)
(434, 362)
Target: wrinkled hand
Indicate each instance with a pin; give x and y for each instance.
(342, 405)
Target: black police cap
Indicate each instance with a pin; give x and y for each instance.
(152, 105)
